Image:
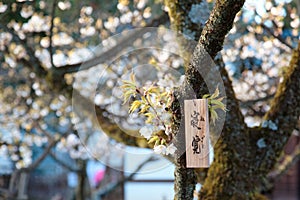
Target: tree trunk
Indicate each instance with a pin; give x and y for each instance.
(83, 186)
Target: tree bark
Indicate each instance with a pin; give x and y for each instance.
(185, 179)
(83, 187)
(219, 24)
(212, 37)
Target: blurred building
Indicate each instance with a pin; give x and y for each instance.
(287, 187)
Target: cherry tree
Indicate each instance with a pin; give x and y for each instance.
(45, 72)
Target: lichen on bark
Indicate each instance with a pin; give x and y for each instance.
(185, 179)
(240, 164)
(220, 22)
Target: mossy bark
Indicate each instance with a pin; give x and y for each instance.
(225, 175)
(240, 164)
(219, 24)
(185, 179)
(284, 112)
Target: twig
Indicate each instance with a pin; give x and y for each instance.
(270, 31)
(51, 32)
(151, 106)
(62, 163)
(112, 52)
(34, 61)
(111, 187)
(45, 153)
(45, 132)
(277, 36)
(248, 103)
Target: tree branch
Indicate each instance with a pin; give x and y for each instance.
(211, 39)
(86, 108)
(62, 163)
(51, 32)
(103, 57)
(34, 61)
(57, 84)
(277, 36)
(109, 127)
(185, 179)
(45, 153)
(219, 24)
(181, 21)
(112, 52)
(283, 116)
(248, 103)
(111, 187)
(286, 162)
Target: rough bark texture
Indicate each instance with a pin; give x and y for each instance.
(239, 163)
(185, 183)
(219, 24)
(195, 84)
(185, 179)
(284, 112)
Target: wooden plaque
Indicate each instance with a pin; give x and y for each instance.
(196, 133)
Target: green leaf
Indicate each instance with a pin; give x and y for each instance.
(153, 139)
(149, 99)
(126, 96)
(156, 142)
(143, 99)
(215, 94)
(215, 107)
(132, 77)
(127, 83)
(135, 105)
(205, 96)
(218, 103)
(150, 117)
(214, 115)
(144, 109)
(153, 89)
(220, 99)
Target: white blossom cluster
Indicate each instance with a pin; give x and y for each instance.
(154, 99)
(257, 58)
(73, 146)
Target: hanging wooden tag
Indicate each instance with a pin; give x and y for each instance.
(196, 133)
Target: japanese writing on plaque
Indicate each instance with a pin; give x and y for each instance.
(195, 144)
(195, 120)
(196, 132)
